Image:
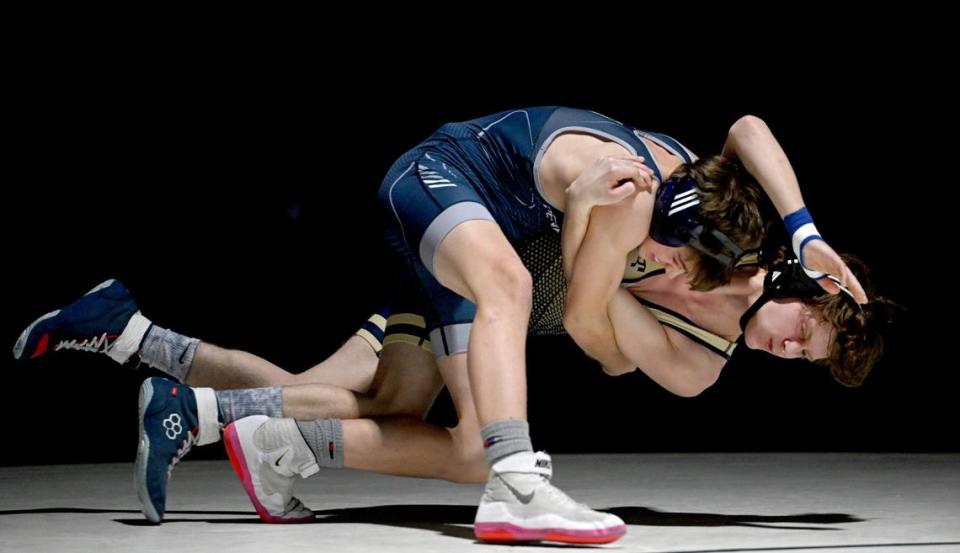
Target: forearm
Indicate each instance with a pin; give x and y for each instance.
(575, 222)
(585, 313)
(753, 144)
(595, 269)
(685, 369)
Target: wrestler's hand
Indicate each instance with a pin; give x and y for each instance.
(818, 256)
(611, 179)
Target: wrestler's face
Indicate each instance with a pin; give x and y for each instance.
(677, 261)
(788, 328)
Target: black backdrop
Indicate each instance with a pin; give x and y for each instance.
(234, 193)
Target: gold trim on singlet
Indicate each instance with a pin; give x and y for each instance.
(718, 344)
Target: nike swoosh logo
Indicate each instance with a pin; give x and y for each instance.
(280, 458)
(523, 497)
(184, 354)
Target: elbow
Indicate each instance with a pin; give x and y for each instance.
(698, 382)
(747, 125)
(617, 371)
(688, 390)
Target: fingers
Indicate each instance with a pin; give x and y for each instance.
(623, 191)
(848, 284)
(819, 256)
(630, 167)
(606, 180)
(852, 284)
(829, 285)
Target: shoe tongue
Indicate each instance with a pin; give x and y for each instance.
(525, 462)
(543, 465)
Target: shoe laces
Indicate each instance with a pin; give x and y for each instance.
(182, 450)
(94, 344)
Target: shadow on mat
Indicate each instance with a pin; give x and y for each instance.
(456, 520)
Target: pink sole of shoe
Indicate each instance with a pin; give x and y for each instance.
(237, 460)
(504, 532)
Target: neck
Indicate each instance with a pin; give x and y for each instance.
(755, 286)
(745, 288)
(669, 165)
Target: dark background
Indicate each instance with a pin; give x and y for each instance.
(233, 190)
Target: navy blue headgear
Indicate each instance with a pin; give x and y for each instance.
(677, 223)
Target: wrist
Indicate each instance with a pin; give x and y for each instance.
(801, 230)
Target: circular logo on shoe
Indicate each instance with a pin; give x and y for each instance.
(172, 426)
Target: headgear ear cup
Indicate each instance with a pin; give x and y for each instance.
(787, 280)
(676, 223)
(671, 222)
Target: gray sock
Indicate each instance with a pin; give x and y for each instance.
(325, 438)
(167, 351)
(505, 437)
(236, 404)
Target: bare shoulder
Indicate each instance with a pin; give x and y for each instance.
(569, 155)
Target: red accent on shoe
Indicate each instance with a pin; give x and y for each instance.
(504, 532)
(331, 449)
(238, 461)
(41, 346)
(173, 391)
